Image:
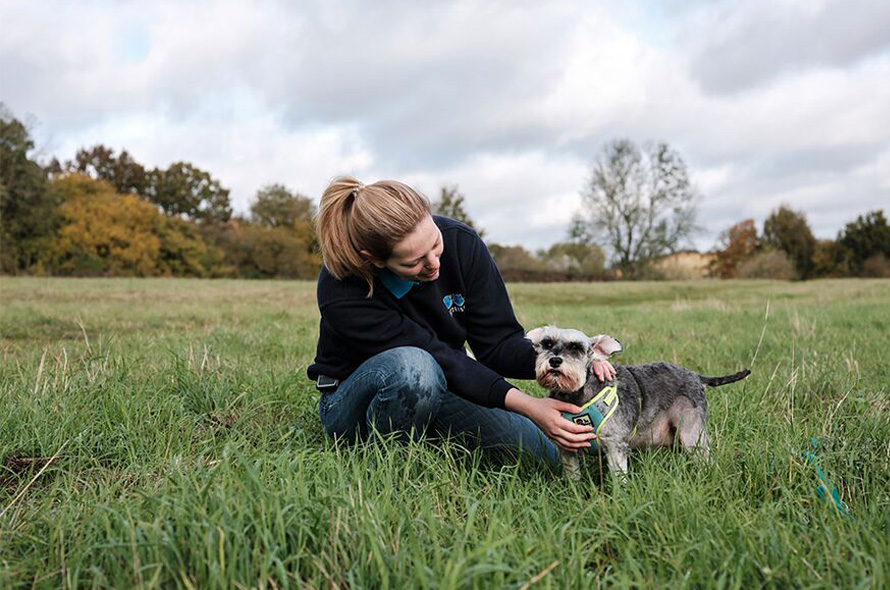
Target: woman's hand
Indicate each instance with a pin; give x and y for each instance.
(547, 414)
(603, 370)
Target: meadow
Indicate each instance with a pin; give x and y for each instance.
(162, 433)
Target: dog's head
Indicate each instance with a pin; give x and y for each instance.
(565, 354)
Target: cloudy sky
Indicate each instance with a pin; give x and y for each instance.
(768, 101)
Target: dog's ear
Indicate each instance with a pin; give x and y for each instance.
(604, 346)
(535, 335)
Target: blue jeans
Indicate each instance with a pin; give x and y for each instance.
(403, 391)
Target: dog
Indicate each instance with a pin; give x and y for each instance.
(649, 405)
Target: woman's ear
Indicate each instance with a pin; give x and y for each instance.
(367, 256)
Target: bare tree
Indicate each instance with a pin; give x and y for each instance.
(640, 202)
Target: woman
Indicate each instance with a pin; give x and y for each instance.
(400, 294)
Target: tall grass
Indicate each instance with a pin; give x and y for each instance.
(163, 433)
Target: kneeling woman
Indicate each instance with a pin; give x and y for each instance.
(401, 293)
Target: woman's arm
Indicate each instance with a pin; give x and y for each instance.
(547, 414)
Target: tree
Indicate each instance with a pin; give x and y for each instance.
(830, 259)
(183, 252)
(865, 238)
(788, 231)
(451, 204)
(184, 190)
(576, 258)
(123, 172)
(736, 245)
(104, 233)
(513, 258)
(28, 210)
(275, 206)
(252, 251)
(640, 201)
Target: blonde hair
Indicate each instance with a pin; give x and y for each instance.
(354, 217)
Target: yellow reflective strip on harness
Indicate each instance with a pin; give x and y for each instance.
(609, 396)
(611, 389)
(612, 401)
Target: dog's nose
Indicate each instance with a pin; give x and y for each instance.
(555, 362)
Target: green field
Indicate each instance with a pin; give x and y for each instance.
(163, 433)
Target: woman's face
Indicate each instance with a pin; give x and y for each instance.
(416, 256)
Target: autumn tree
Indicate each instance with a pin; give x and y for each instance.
(788, 231)
(638, 201)
(28, 215)
(183, 251)
(735, 245)
(104, 233)
(452, 203)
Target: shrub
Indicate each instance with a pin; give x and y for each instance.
(877, 266)
(771, 264)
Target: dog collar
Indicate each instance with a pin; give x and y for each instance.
(590, 414)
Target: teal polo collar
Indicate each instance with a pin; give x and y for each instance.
(398, 286)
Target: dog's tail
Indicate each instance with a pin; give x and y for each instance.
(718, 381)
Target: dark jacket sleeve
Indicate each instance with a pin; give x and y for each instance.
(371, 327)
(495, 336)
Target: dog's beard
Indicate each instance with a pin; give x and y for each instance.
(557, 380)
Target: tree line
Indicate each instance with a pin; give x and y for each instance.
(640, 205)
(105, 214)
(786, 248)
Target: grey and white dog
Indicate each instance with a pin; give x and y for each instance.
(658, 403)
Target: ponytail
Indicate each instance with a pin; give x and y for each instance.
(354, 217)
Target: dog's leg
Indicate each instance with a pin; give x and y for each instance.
(693, 434)
(704, 444)
(571, 465)
(616, 458)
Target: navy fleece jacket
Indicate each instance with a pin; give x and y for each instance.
(467, 304)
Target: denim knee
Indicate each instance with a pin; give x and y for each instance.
(411, 389)
(415, 369)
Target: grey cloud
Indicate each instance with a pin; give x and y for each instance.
(829, 201)
(815, 162)
(426, 86)
(745, 45)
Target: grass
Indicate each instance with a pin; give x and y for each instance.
(163, 433)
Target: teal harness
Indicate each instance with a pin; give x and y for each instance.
(591, 415)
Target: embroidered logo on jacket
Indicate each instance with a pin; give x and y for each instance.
(454, 302)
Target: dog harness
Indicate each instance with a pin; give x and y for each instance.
(590, 415)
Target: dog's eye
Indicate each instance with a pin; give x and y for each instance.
(575, 348)
(546, 344)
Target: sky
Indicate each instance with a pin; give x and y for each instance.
(769, 102)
